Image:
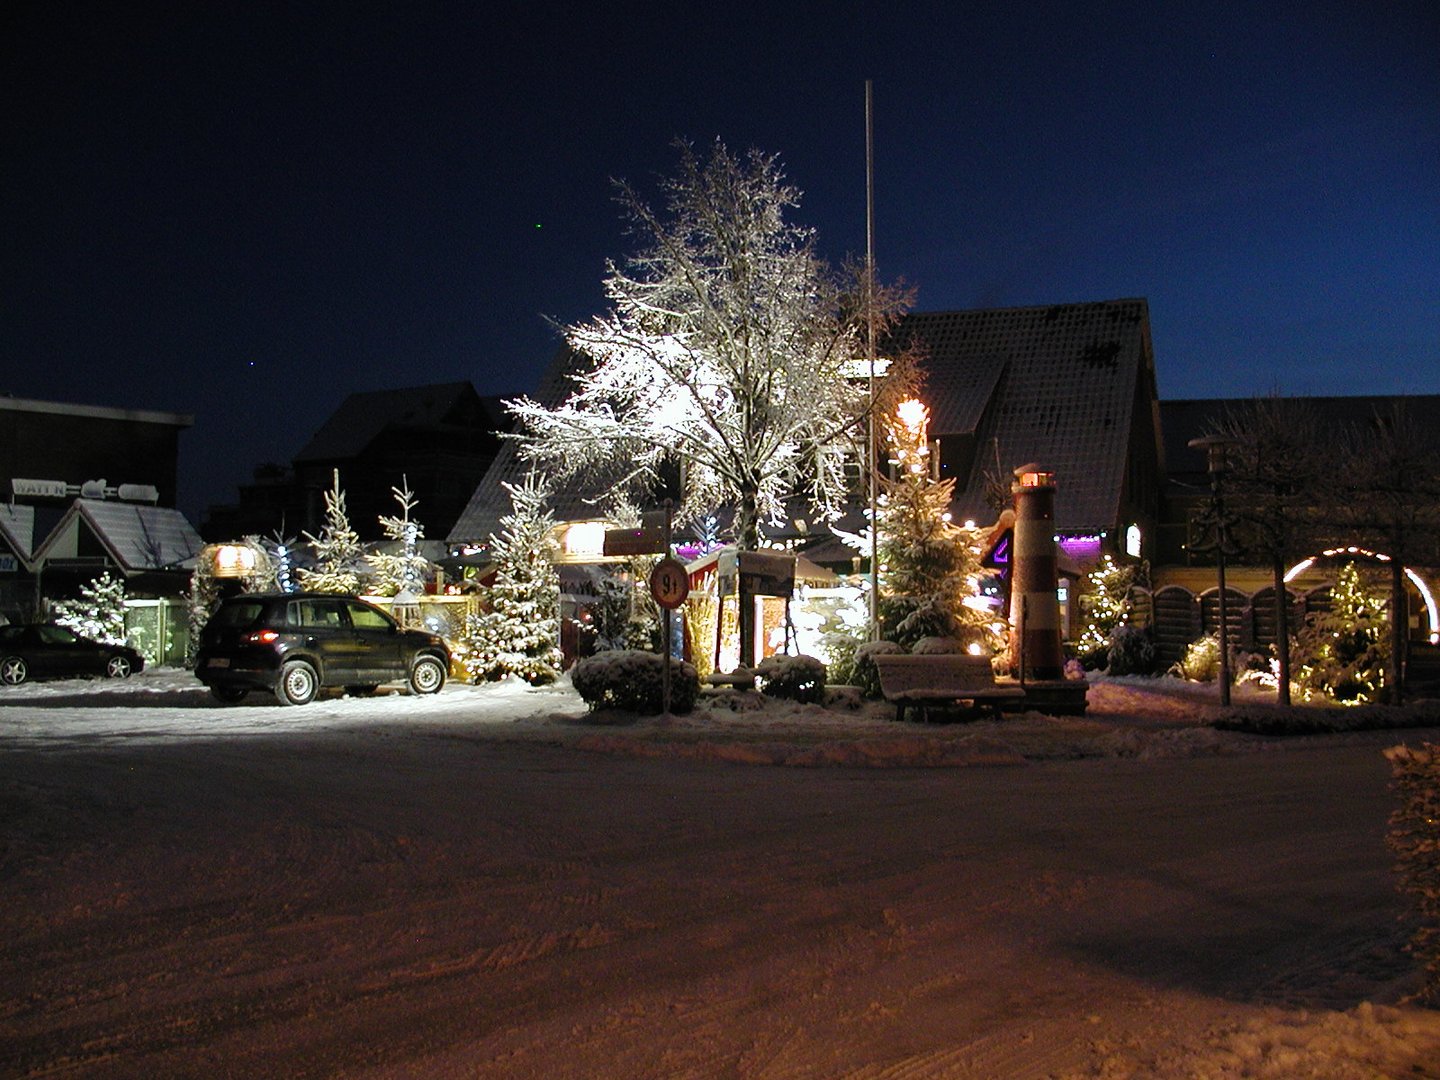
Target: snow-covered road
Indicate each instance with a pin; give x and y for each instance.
(461, 886)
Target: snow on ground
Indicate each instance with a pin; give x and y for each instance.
(492, 882)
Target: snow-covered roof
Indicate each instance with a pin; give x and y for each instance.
(17, 529)
(490, 501)
(1062, 386)
(137, 537)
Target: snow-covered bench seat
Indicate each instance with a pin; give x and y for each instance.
(942, 680)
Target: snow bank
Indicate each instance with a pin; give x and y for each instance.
(1366, 1042)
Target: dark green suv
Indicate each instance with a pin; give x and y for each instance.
(292, 644)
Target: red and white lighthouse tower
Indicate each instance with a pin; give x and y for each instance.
(1034, 578)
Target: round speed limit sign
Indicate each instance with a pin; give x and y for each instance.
(669, 583)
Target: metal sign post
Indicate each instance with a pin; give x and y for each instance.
(669, 585)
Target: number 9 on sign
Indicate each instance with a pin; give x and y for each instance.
(669, 583)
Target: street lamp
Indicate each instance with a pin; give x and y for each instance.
(1217, 450)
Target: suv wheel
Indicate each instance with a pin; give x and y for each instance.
(298, 683)
(427, 676)
(229, 694)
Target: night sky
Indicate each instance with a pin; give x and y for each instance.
(247, 211)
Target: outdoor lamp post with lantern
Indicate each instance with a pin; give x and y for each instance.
(1217, 449)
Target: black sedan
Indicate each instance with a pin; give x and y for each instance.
(45, 651)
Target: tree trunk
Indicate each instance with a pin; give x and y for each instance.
(747, 538)
(1399, 632)
(1282, 631)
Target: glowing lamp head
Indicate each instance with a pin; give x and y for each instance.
(913, 414)
(234, 560)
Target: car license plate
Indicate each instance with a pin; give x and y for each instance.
(219, 661)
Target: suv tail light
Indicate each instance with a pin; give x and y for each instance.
(262, 637)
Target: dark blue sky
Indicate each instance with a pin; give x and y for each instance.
(247, 211)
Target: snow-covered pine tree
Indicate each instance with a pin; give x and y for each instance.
(98, 613)
(727, 349)
(403, 569)
(519, 634)
(338, 553)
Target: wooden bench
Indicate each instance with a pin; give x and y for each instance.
(739, 679)
(942, 680)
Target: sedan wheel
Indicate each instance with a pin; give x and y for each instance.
(298, 683)
(13, 671)
(427, 676)
(118, 667)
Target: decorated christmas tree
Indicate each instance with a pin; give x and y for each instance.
(280, 549)
(402, 569)
(519, 633)
(1344, 650)
(1106, 604)
(928, 566)
(337, 549)
(99, 612)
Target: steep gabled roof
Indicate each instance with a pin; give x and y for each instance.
(363, 417)
(137, 537)
(17, 530)
(1053, 385)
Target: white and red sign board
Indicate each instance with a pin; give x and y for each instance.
(669, 583)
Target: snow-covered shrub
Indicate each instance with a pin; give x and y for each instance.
(633, 680)
(866, 675)
(1201, 662)
(797, 678)
(1327, 719)
(937, 646)
(1131, 651)
(1414, 841)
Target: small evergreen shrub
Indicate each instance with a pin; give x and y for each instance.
(865, 674)
(1201, 662)
(1131, 651)
(937, 646)
(1412, 839)
(795, 678)
(632, 680)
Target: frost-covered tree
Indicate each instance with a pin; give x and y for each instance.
(98, 613)
(262, 575)
(338, 553)
(1389, 491)
(402, 569)
(725, 351)
(1277, 480)
(519, 634)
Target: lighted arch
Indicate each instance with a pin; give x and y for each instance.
(1379, 556)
